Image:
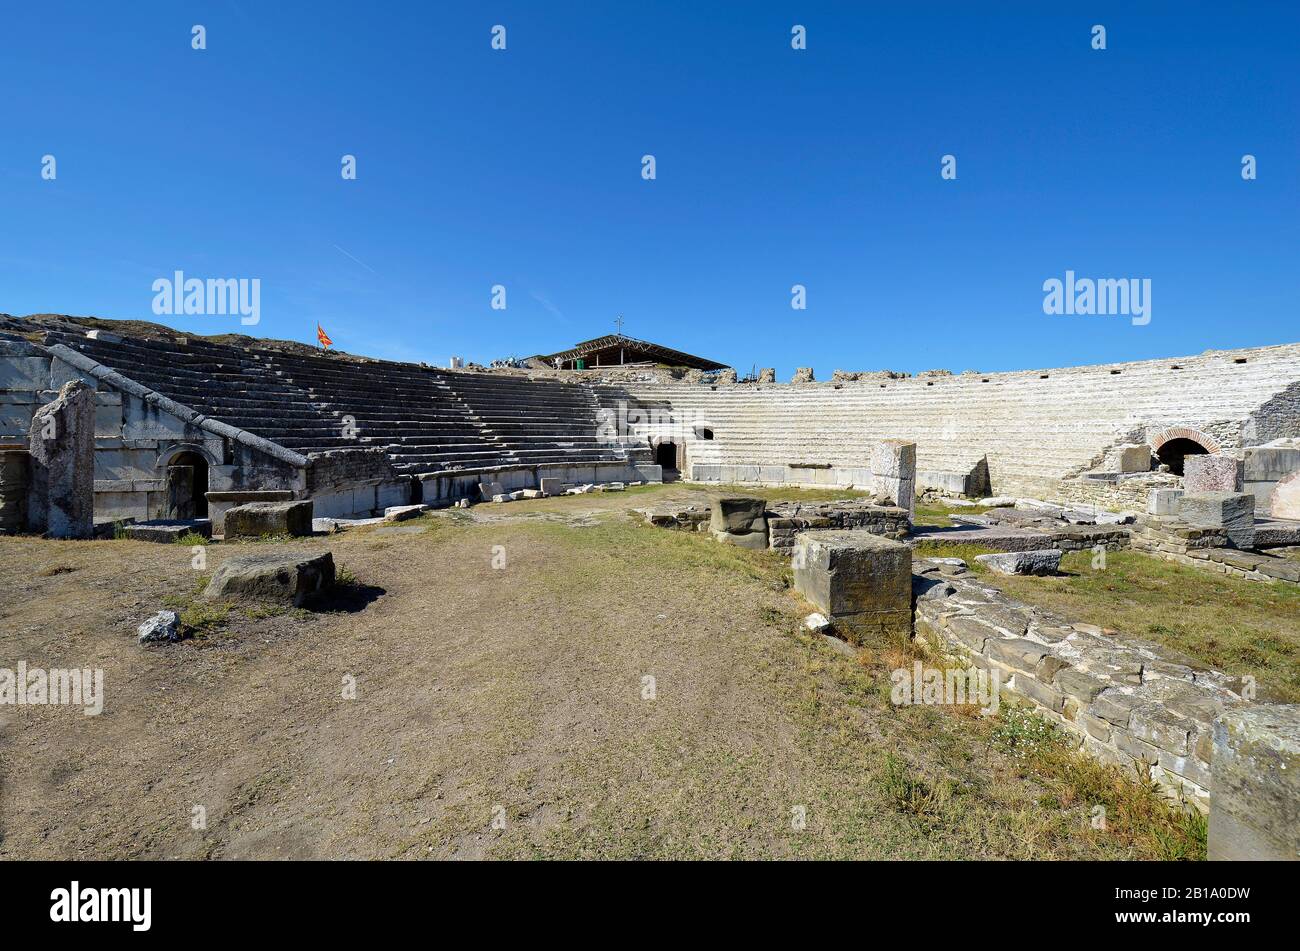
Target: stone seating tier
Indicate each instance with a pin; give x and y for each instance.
(426, 420)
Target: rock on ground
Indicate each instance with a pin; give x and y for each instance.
(276, 577)
(163, 626)
(1045, 561)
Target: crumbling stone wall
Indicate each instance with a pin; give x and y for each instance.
(1133, 704)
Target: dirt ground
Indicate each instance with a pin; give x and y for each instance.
(500, 712)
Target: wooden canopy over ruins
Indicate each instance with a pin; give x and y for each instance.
(618, 350)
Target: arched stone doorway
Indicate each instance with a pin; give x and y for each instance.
(187, 486)
(1172, 446)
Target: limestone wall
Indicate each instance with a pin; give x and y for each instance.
(1036, 427)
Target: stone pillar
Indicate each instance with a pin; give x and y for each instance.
(893, 470)
(180, 492)
(1234, 512)
(861, 582)
(767, 375)
(15, 479)
(61, 497)
(1255, 791)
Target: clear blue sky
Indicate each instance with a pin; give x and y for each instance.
(775, 167)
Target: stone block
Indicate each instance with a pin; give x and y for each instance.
(969, 632)
(1133, 458)
(1163, 501)
(1041, 694)
(549, 486)
(165, 531)
(738, 514)
(219, 503)
(1213, 473)
(292, 578)
(1255, 809)
(1044, 561)
(254, 519)
(1015, 652)
(61, 493)
(1234, 512)
(862, 582)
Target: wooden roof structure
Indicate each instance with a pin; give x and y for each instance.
(618, 349)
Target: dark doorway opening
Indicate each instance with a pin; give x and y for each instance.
(666, 456)
(1175, 451)
(187, 486)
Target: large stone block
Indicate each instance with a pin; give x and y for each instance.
(893, 471)
(862, 582)
(1133, 458)
(1234, 512)
(293, 578)
(165, 531)
(221, 502)
(1044, 561)
(1213, 473)
(738, 514)
(1255, 804)
(61, 495)
(254, 519)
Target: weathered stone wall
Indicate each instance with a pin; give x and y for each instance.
(785, 520)
(1123, 701)
(1171, 538)
(344, 482)
(136, 434)
(1036, 427)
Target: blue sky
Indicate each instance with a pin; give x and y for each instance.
(775, 167)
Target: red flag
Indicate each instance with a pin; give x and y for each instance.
(323, 337)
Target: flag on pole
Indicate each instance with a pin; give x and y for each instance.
(323, 337)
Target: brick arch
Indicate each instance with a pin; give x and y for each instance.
(1207, 442)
